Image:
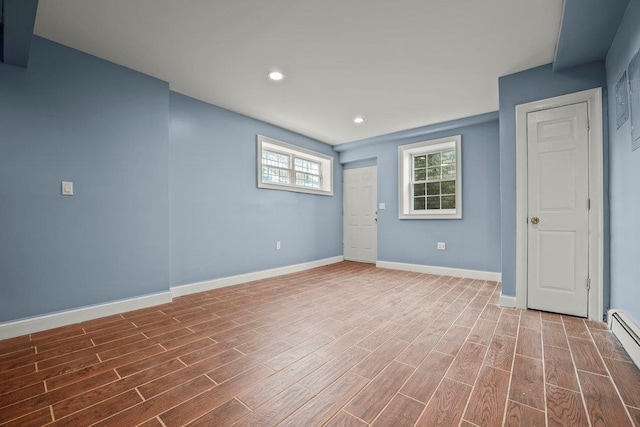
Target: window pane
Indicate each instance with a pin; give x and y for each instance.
(418, 203)
(448, 157)
(420, 162)
(433, 188)
(448, 187)
(308, 166)
(448, 171)
(448, 202)
(420, 175)
(307, 180)
(434, 159)
(275, 159)
(433, 173)
(418, 189)
(275, 175)
(433, 202)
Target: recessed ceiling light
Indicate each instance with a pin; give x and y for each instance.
(276, 75)
(358, 120)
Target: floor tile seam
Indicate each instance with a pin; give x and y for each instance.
(182, 402)
(529, 357)
(575, 371)
(612, 379)
(551, 321)
(107, 398)
(387, 405)
(354, 416)
(299, 409)
(544, 376)
(378, 375)
(528, 406)
(296, 382)
(53, 418)
(84, 408)
(484, 358)
(546, 383)
(52, 403)
(513, 363)
(554, 346)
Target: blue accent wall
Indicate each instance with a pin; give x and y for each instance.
(72, 116)
(587, 30)
(625, 177)
(473, 242)
(520, 88)
(222, 224)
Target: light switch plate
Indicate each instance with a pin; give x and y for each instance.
(442, 246)
(382, 206)
(67, 188)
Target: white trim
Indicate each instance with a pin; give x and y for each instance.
(325, 161)
(507, 301)
(62, 318)
(405, 168)
(593, 97)
(441, 271)
(192, 288)
(623, 328)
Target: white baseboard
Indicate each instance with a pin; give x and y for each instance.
(627, 332)
(441, 271)
(62, 318)
(68, 317)
(507, 301)
(192, 288)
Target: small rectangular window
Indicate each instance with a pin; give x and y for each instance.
(287, 167)
(430, 179)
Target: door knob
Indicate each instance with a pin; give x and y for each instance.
(535, 220)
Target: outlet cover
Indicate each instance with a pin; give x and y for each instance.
(67, 188)
(442, 246)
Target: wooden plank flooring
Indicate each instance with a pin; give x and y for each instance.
(342, 345)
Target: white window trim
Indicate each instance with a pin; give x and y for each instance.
(326, 166)
(405, 154)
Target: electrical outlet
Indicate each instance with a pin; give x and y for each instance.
(67, 188)
(278, 245)
(442, 246)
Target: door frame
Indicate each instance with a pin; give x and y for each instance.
(375, 212)
(593, 98)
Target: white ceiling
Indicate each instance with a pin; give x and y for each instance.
(399, 63)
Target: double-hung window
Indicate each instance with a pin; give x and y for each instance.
(287, 167)
(430, 179)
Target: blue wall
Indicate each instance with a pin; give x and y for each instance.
(528, 86)
(221, 223)
(473, 242)
(71, 116)
(625, 177)
(130, 230)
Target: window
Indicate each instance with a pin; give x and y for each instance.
(430, 179)
(287, 167)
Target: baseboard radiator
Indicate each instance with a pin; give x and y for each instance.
(627, 333)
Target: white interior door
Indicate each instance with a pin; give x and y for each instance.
(359, 214)
(558, 210)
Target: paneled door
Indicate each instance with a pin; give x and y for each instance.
(360, 229)
(558, 210)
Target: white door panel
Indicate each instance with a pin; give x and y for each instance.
(360, 222)
(558, 195)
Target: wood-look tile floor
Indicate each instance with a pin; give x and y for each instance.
(343, 345)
